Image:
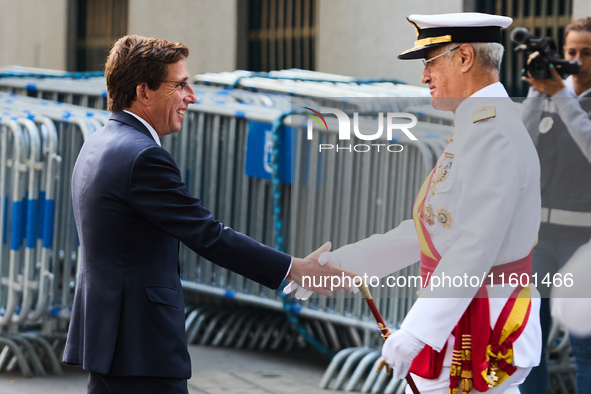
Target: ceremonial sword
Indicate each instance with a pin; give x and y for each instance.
(385, 332)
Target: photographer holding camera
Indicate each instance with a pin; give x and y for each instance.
(557, 115)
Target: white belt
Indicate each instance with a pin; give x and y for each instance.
(566, 218)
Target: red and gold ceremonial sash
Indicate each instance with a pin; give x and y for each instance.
(509, 326)
(427, 247)
(490, 356)
(428, 362)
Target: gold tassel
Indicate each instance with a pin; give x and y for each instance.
(466, 381)
(466, 385)
(455, 371)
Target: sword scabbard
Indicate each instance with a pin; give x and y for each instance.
(385, 332)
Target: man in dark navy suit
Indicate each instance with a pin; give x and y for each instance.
(131, 210)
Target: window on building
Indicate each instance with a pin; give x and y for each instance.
(281, 34)
(98, 24)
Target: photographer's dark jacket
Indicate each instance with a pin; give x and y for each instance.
(561, 128)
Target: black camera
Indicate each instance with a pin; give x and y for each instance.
(539, 67)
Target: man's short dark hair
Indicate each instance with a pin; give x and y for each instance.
(135, 59)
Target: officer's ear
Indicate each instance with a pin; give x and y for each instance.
(466, 56)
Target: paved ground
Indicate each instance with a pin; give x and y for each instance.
(215, 370)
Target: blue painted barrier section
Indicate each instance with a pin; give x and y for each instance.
(49, 212)
(31, 224)
(41, 215)
(259, 152)
(17, 224)
(24, 208)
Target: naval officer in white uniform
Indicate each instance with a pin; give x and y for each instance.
(480, 215)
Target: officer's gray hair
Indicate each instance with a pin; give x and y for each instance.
(489, 54)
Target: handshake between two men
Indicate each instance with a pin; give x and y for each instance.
(313, 274)
(322, 272)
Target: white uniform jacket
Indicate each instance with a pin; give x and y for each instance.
(482, 209)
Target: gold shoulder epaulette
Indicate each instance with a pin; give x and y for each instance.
(483, 113)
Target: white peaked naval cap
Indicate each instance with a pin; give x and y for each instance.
(436, 30)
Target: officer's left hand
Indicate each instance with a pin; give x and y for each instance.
(399, 350)
(550, 86)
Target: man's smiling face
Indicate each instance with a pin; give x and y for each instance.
(170, 101)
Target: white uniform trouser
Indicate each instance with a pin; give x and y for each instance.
(441, 384)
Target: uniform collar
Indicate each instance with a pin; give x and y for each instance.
(478, 99)
(495, 90)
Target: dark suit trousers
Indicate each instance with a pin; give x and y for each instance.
(106, 384)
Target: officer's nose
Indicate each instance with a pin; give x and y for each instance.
(426, 77)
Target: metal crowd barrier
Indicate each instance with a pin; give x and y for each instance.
(225, 151)
(384, 185)
(330, 90)
(86, 89)
(40, 141)
(90, 92)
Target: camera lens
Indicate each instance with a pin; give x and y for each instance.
(538, 68)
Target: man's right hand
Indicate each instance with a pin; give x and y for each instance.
(308, 275)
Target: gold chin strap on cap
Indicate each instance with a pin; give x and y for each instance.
(432, 40)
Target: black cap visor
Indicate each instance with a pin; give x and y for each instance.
(418, 53)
